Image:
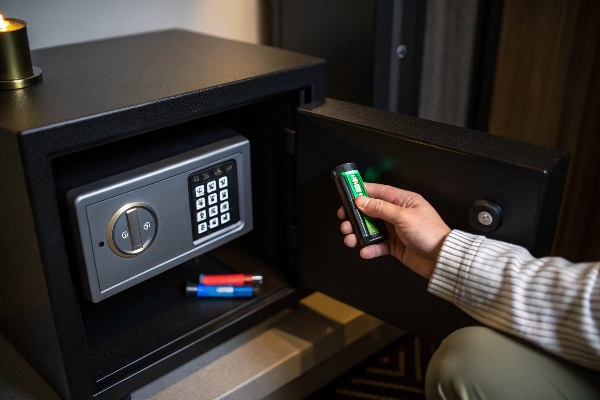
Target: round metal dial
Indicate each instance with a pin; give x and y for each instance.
(132, 229)
(485, 216)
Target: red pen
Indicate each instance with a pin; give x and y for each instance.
(230, 279)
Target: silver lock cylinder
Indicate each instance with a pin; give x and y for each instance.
(485, 216)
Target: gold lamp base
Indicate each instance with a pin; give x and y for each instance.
(23, 82)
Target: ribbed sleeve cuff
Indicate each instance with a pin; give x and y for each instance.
(452, 267)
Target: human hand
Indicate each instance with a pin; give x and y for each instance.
(416, 231)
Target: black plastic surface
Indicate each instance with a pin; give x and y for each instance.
(450, 166)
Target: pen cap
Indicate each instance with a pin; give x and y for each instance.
(191, 289)
(230, 279)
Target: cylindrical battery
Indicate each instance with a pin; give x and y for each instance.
(350, 185)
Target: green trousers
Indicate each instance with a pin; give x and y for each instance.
(480, 363)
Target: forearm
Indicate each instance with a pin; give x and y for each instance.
(548, 301)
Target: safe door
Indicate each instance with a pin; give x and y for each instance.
(455, 169)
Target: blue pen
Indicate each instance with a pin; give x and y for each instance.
(199, 290)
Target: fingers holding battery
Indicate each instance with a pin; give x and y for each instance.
(341, 213)
(350, 240)
(375, 250)
(393, 195)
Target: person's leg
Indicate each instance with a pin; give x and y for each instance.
(480, 363)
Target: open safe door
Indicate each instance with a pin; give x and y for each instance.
(450, 166)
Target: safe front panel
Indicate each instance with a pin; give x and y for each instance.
(135, 225)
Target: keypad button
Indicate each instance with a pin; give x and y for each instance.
(223, 195)
(225, 218)
(215, 191)
(211, 186)
(224, 206)
(202, 228)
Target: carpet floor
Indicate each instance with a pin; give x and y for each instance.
(397, 372)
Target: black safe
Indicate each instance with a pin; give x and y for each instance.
(102, 211)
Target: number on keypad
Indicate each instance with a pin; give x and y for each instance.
(211, 186)
(212, 199)
(213, 194)
(225, 218)
(223, 195)
(202, 228)
(224, 206)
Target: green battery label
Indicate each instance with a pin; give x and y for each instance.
(357, 187)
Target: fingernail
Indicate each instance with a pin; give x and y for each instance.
(361, 201)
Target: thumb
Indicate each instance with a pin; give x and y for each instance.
(379, 209)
